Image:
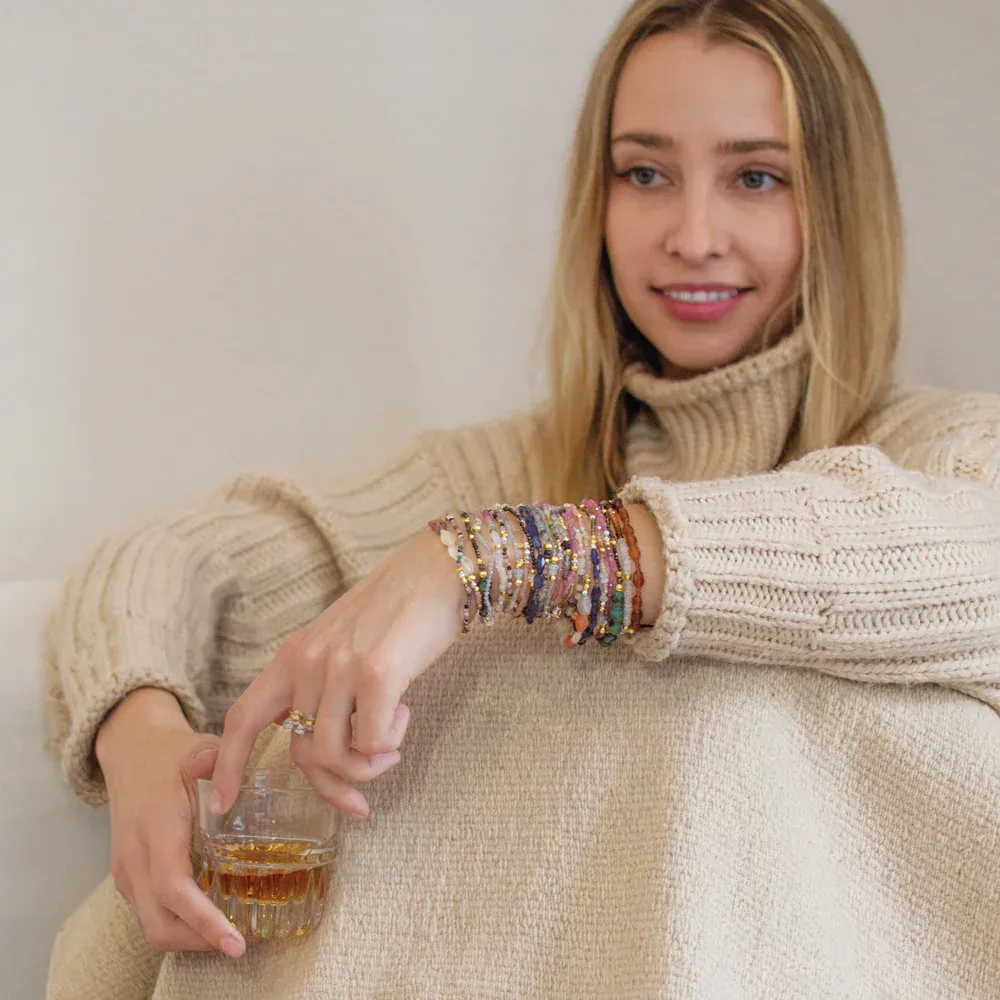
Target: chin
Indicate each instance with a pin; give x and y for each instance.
(690, 355)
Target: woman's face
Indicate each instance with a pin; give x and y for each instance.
(702, 230)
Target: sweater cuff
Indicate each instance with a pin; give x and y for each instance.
(744, 570)
(664, 638)
(98, 687)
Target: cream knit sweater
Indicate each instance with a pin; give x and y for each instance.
(790, 787)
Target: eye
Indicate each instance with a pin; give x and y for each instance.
(644, 177)
(760, 180)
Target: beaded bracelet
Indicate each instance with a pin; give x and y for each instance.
(565, 591)
(523, 566)
(481, 573)
(579, 562)
(509, 557)
(625, 568)
(498, 533)
(603, 617)
(637, 577)
(454, 541)
(552, 546)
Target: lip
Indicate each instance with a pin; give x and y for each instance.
(702, 288)
(701, 312)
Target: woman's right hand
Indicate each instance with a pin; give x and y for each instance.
(150, 757)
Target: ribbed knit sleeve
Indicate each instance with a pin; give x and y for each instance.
(196, 604)
(877, 562)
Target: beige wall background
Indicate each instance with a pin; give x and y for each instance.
(249, 236)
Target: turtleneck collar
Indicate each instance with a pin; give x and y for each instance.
(734, 421)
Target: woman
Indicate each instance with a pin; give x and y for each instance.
(785, 785)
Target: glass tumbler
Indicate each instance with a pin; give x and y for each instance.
(266, 862)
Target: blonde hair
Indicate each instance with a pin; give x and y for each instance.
(851, 275)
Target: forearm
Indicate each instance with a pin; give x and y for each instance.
(843, 563)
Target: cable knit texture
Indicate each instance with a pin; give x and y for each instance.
(789, 787)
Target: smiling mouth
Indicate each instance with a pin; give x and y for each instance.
(704, 297)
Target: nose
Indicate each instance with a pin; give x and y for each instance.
(695, 232)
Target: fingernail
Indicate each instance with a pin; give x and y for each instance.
(204, 753)
(217, 804)
(232, 946)
(385, 758)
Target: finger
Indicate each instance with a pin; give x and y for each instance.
(178, 893)
(307, 692)
(197, 912)
(331, 739)
(338, 792)
(400, 721)
(163, 929)
(269, 694)
(378, 699)
(329, 746)
(355, 769)
(200, 763)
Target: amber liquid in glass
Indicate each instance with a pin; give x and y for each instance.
(267, 888)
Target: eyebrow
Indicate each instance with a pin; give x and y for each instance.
(729, 147)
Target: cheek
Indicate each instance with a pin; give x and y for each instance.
(778, 247)
(627, 238)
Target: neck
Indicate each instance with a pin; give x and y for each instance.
(731, 422)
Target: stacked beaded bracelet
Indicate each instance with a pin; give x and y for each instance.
(546, 561)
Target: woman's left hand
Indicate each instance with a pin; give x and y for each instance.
(353, 663)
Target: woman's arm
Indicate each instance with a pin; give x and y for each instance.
(144, 612)
(198, 604)
(844, 561)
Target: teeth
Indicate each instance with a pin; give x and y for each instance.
(701, 297)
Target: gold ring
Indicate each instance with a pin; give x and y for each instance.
(299, 723)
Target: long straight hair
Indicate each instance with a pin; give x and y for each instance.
(849, 289)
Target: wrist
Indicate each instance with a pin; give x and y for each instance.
(451, 579)
(133, 718)
(599, 565)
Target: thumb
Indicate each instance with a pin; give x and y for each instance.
(200, 762)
